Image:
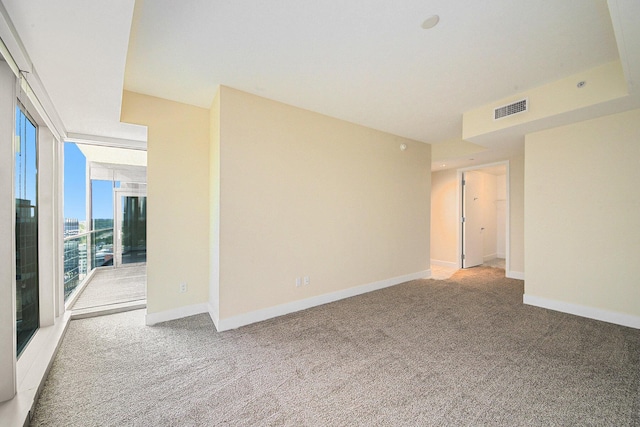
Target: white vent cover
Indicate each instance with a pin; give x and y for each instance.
(511, 109)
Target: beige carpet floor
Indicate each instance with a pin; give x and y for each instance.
(457, 352)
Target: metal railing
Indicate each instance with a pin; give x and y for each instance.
(84, 252)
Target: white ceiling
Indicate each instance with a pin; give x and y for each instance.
(112, 155)
(78, 50)
(364, 61)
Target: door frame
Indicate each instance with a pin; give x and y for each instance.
(460, 213)
(118, 193)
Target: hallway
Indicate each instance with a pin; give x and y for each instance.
(439, 272)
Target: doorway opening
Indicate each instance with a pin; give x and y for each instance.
(106, 229)
(483, 232)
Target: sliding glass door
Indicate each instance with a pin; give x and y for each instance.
(131, 227)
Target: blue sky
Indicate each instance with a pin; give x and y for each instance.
(25, 158)
(75, 184)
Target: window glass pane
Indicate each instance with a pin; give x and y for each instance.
(102, 204)
(26, 174)
(134, 229)
(102, 216)
(74, 188)
(75, 247)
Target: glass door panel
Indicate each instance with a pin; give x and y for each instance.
(131, 228)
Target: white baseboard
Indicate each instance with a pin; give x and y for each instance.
(584, 311)
(280, 310)
(448, 264)
(501, 255)
(176, 313)
(214, 314)
(515, 275)
(489, 257)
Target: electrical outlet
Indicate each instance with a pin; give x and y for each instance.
(306, 280)
(183, 287)
(298, 281)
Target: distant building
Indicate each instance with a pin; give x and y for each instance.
(75, 255)
(71, 227)
(27, 298)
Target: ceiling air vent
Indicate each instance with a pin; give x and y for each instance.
(511, 109)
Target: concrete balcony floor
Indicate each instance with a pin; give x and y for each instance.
(112, 290)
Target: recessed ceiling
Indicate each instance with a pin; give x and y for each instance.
(368, 62)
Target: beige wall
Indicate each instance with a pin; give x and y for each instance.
(444, 217)
(214, 209)
(501, 213)
(178, 199)
(303, 194)
(516, 266)
(582, 199)
(489, 216)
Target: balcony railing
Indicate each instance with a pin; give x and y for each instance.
(102, 248)
(95, 246)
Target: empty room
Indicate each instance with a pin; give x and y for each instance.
(319, 213)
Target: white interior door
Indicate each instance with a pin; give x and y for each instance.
(472, 243)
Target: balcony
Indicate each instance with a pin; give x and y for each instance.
(92, 284)
(104, 254)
